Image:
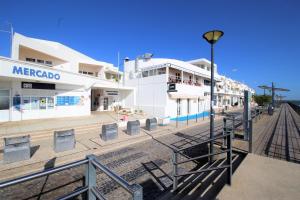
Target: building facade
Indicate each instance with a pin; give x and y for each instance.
(45, 79)
(179, 89)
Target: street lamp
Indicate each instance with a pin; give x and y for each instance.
(212, 37)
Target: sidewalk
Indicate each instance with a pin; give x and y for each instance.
(266, 178)
(27, 126)
(87, 142)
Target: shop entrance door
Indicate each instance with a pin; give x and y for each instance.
(4, 105)
(105, 103)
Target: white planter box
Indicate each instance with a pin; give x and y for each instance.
(164, 121)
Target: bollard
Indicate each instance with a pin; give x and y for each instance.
(16, 149)
(133, 127)
(64, 140)
(109, 132)
(151, 124)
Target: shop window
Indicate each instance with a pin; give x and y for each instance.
(50, 102)
(43, 103)
(34, 103)
(26, 103)
(4, 99)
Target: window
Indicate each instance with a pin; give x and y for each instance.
(206, 82)
(91, 73)
(47, 62)
(30, 59)
(145, 73)
(50, 102)
(4, 99)
(202, 66)
(161, 71)
(40, 61)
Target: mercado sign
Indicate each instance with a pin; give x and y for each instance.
(26, 71)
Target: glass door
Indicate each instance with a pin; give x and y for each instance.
(4, 105)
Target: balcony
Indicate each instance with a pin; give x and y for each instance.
(185, 81)
(182, 90)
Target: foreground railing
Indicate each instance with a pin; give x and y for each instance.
(228, 165)
(90, 188)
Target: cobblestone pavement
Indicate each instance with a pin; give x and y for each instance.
(128, 162)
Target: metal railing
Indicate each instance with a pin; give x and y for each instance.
(90, 187)
(230, 126)
(227, 150)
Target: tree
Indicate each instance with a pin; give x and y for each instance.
(262, 100)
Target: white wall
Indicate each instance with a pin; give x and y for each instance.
(57, 111)
(151, 94)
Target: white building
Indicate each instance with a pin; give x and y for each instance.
(178, 89)
(45, 79)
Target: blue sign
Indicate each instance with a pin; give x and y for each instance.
(35, 73)
(67, 100)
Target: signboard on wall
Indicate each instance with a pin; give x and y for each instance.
(111, 93)
(34, 85)
(172, 87)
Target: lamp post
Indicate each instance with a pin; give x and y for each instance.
(212, 37)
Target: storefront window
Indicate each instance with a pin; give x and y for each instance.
(43, 103)
(50, 103)
(26, 103)
(17, 102)
(34, 103)
(4, 99)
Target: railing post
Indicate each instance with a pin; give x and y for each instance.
(90, 177)
(137, 192)
(224, 130)
(175, 170)
(250, 135)
(233, 126)
(229, 159)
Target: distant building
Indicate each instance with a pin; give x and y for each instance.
(178, 89)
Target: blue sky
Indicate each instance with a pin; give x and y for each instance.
(260, 43)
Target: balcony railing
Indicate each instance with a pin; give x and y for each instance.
(176, 79)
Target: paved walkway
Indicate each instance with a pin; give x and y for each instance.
(264, 178)
(87, 142)
(279, 136)
(39, 125)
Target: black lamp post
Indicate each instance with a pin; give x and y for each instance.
(212, 37)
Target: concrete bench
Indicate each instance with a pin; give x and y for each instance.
(133, 127)
(64, 140)
(16, 149)
(151, 124)
(109, 132)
